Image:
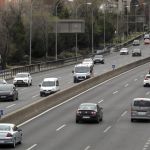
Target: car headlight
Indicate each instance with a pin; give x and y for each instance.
(25, 80)
(14, 80)
(11, 93)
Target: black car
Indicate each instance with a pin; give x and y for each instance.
(98, 59)
(136, 52)
(89, 111)
(8, 92)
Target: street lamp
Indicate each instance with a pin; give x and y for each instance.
(30, 53)
(102, 7)
(135, 18)
(127, 20)
(76, 52)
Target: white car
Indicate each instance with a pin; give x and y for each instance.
(88, 61)
(10, 134)
(146, 81)
(3, 81)
(23, 78)
(124, 51)
(49, 86)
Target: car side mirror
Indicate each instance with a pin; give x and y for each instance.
(39, 85)
(72, 71)
(19, 130)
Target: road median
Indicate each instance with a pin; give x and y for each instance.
(21, 115)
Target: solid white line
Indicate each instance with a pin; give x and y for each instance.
(78, 95)
(123, 113)
(35, 96)
(126, 85)
(32, 147)
(101, 101)
(145, 146)
(23, 89)
(147, 93)
(60, 127)
(10, 105)
(115, 92)
(88, 147)
(107, 129)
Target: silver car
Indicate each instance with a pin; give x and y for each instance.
(10, 134)
(140, 109)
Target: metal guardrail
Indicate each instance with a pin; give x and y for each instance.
(35, 68)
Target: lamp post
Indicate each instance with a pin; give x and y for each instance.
(92, 34)
(127, 21)
(76, 49)
(135, 18)
(102, 7)
(31, 11)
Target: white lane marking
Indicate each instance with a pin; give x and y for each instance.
(147, 93)
(135, 79)
(126, 85)
(32, 147)
(60, 127)
(10, 105)
(115, 92)
(101, 101)
(56, 106)
(23, 89)
(88, 147)
(35, 96)
(107, 129)
(123, 113)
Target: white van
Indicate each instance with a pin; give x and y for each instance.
(140, 109)
(82, 72)
(49, 86)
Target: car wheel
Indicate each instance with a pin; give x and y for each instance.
(144, 85)
(16, 97)
(77, 120)
(132, 120)
(31, 83)
(41, 94)
(14, 144)
(98, 119)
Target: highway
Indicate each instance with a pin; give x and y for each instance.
(28, 95)
(57, 130)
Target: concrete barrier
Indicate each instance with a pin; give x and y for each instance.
(38, 107)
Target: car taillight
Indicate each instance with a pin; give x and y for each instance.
(9, 135)
(93, 112)
(146, 78)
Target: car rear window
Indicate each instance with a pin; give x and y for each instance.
(87, 107)
(142, 103)
(4, 128)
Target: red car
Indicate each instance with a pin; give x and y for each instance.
(146, 41)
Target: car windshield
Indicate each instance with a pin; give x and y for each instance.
(48, 83)
(4, 128)
(98, 56)
(22, 75)
(2, 81)
(142, 103)
(83, 69)
(5, 88)
(136, 50)
(87, 60)
(148, 76)
(87, 107)
(124, 49)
